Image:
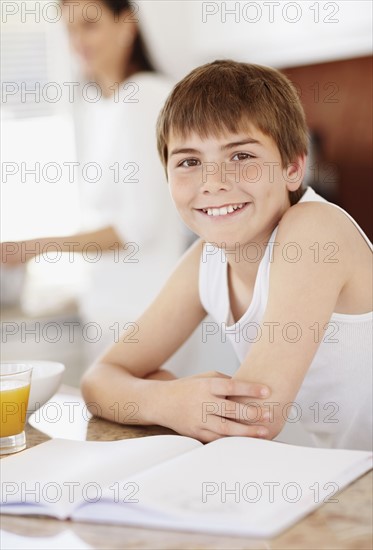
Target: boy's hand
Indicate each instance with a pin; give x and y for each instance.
(198, 406)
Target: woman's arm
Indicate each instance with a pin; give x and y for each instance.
(126, 384)
(302, 296)
(15, 253)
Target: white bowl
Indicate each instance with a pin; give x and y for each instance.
(45, 380)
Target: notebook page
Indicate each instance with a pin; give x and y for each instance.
(54, 477)
(237, 486)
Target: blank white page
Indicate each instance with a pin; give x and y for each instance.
(58, 464)
(241, 485)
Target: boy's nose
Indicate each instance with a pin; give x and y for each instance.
(215, 177)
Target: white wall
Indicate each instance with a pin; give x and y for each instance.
(183, 34)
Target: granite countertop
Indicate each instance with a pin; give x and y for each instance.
(346, 524)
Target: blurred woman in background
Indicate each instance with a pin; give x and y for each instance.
(130, 231)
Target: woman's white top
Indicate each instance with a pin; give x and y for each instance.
(124, 185)
(334, 403)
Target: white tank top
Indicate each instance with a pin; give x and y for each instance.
(334, 403)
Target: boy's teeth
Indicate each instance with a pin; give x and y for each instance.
(223, 211)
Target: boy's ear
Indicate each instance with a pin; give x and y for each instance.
(295, 172)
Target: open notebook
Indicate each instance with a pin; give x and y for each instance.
(236, 485)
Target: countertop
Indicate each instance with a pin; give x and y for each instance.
(346, 524)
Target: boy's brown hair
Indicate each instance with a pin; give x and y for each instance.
(224, 96)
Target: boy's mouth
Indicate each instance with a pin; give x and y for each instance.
(225, 210)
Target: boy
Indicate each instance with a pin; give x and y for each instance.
(286, 274)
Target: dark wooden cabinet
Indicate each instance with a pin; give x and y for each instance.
(337, 98)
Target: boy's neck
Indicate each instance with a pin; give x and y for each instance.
(241, 277)
(244, 262)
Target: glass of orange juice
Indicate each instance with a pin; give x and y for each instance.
(15, 381)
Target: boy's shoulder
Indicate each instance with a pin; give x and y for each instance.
(325, 234)
(314, 219)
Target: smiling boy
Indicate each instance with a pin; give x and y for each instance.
(233, 141)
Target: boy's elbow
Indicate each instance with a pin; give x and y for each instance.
(88, 387)
(98, 385)
(274, 428)
(272, 434)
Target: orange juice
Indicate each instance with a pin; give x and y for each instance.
(13, 406)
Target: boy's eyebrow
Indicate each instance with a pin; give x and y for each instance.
(189, 150)
(242, 142)
(185, 150)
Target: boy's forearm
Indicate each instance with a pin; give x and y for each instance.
(116, 395)
(161, 374)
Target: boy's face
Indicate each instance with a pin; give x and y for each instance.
(231, 189)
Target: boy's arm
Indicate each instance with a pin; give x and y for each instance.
(147, 343)
(302, 297)
(125, 384)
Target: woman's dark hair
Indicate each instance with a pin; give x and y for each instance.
(139, 57)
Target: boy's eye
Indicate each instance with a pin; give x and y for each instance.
(189, 163)
(242, 156)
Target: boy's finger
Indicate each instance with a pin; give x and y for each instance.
(207, 436)
(232, 387)
(211, 374)
(241, 412)
(224, 427)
